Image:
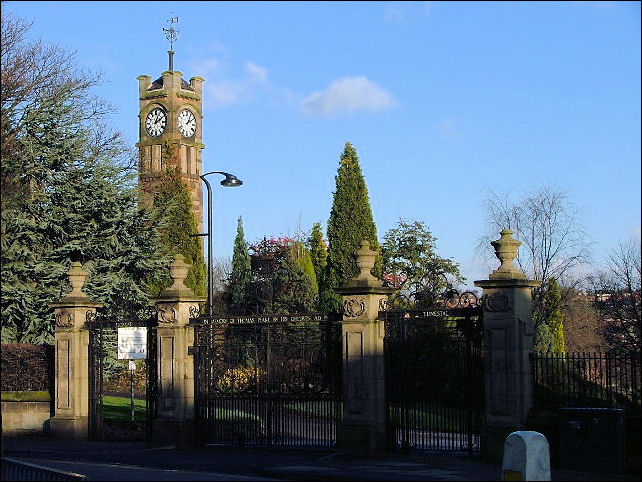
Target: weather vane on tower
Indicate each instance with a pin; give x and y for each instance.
(171, 34)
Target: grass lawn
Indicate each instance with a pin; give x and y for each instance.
(320, 408)
(225, 415)
(119, 408)
(432, 417)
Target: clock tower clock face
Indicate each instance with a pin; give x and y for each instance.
(186, 123)
(156, 122)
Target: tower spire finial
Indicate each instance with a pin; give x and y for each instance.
(171, 34)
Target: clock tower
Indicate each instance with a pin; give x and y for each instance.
(170, 132)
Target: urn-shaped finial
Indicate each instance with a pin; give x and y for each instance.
(365, 259)
(506, 251)
(178, 271)
(77, 277)
(365, 262)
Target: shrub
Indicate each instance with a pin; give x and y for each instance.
(27, 367)
(239, 379)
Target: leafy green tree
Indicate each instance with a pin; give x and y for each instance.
(241, 267)
(411, 265)
(350, 223)
(550, 336)
(176, 224)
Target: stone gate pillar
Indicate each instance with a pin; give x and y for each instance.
(71, 419)
(508, 340)
(176, 305)
(363, 428)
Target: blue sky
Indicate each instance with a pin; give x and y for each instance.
(443, 102)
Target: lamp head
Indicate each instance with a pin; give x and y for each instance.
(230, 180)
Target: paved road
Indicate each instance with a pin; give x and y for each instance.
(136, 461)
(118, 471)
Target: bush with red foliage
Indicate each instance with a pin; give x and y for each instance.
(27, 367)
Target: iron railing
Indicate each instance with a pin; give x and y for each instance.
(434, 377)
(13, 469)
(272, 380)
(606, 380)
(102, 338)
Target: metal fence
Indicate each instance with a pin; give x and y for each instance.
(434, 379)
(607, 380)
(268, 380)
(103, 350)
(13, 469)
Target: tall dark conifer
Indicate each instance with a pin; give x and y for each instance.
(318, 251)
(350, 223)
(176, 224)
(550, 335)
(75, 202)
(241, 268)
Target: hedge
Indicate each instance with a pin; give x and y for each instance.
(27, 367)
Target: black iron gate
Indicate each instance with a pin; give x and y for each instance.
(434, 376)
(268, 380)
(109, 408)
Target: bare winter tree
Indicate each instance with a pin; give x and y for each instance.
(33, 75)
(554, 243)
(618, 291)
(222, 271)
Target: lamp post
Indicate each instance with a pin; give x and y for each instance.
(229, 181)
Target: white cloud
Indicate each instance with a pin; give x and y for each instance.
(233, 91)
(225, 92)
(207, 67)
(403, 12)
(256, 72)
(347, 95)
(448, 128)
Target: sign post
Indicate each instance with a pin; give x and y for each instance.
(132, 369)
(132, 345)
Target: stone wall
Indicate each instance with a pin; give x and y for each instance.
(25, 413)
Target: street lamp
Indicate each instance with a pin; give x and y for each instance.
(229, 181)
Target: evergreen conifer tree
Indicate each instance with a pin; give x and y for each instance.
(318, 252)
(304, 260)
(75, 202)
(176, 224)
(293, 288)
(241, 268)
(550, 336)
(350, 223)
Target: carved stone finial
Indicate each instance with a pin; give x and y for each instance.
(365, 259)
(77, 277)
(365, 262)
(178, 272)
(506, 251)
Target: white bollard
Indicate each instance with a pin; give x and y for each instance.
(526, 457)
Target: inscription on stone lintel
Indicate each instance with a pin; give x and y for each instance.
(434, 313)
(247, 320)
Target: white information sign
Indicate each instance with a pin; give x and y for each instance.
(132, 343)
